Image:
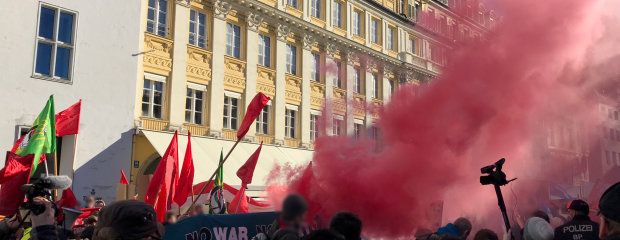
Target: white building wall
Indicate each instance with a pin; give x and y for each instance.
(104, 77)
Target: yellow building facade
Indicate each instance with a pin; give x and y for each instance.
(202, 61)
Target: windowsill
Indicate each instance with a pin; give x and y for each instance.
(340, 31)
(52, 79)
(158, 36)
(317, 21)
(376, 46)
(294, 11)
(359, 39)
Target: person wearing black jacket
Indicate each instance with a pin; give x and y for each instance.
(609, 213)
(580, 227)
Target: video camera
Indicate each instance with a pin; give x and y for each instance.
(496, 176)
(43, 187)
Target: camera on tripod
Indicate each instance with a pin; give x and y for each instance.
(43, 187)
(495, 175)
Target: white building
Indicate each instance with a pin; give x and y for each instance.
(87, 47)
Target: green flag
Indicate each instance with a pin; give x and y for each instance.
(41, 138)
(217, 202)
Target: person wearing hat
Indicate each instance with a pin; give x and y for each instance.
(609, 212)
(580, 227)
(128, 219)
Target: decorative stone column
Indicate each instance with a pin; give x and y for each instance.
(329, 4)
(367, 33)
(351, 58)
(254, 22)
(280, 100)
(306, 56)
(330, 77)
(177, 83)
(216, 87)
(349, 20)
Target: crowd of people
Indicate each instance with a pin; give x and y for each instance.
(133, 219)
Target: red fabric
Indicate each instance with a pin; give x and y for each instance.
(306, 187)
(123, 178)
(165, 177)
(239, 204)
(15, 174)
(184, 185)
(86, 213)
(68, 121)
(256, 106)
(16, 145)
(227, 187)
(161, 206)
(246, 171)
(67, 200)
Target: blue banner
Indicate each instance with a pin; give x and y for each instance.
(220, 227)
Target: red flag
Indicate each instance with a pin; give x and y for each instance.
(67, 200)
(165, 177)
(186, 181)
(256, 106)
(86, 213)
(246, 171)
(123, 178)
(68, 121)
(239, 204)
(15, 174)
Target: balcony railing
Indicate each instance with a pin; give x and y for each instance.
(154, 124)
(292, 142)
(266, 139)
(197, 130)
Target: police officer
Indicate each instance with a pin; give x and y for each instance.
(580, 227)
(609, 212)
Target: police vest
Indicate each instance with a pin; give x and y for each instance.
(580, 228)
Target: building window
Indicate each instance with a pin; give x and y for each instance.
(338, 78)
(198, 29)
(610, 113)
(617, 135)
(607, 158)
(357, 129)
(262, 121)
(55, 43)
(156, 22)
(315, 71)
(233, 40)
(374, 132)
(611, 134)
(375, 31)
(264, 50)
(337, 14)
(316, 8)
(152, 99)
(614, 156)
(375, 85)
(392, 86)
(231, 112)
(338, 128)
(290, 123)
(390, 38)
(292, 3)
(357, 23)
(194, 106)
(357, 83)
(314, 127)
(616, 115)
(291, 59)
(412, 48)
(412, 10)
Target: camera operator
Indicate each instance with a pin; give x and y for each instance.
(44, 224)
(580, 225)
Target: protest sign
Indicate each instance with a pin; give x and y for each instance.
(221, 227)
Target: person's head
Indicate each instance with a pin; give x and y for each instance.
(542, 215)
(171, 218)
(285, 234)
(347, 224)
(578, 207)
(128, 219)
(197, 210)
(485, 234)
(324, 234)
(91, 220)
(463, 225)
(294, 210)
(537, 229)
(90, 202)
(609, 212)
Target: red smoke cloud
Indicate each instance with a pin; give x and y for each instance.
(491, 101)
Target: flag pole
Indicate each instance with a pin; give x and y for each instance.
(213, 175)
(239, 202)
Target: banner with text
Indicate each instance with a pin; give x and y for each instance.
(221, 227)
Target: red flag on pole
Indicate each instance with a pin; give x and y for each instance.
(256, 106)
(186, 180)
(246, 172)
(123, 178)
(16, 172)
(67, 199)
(68, 121)
(165, 178)
(239, 204)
